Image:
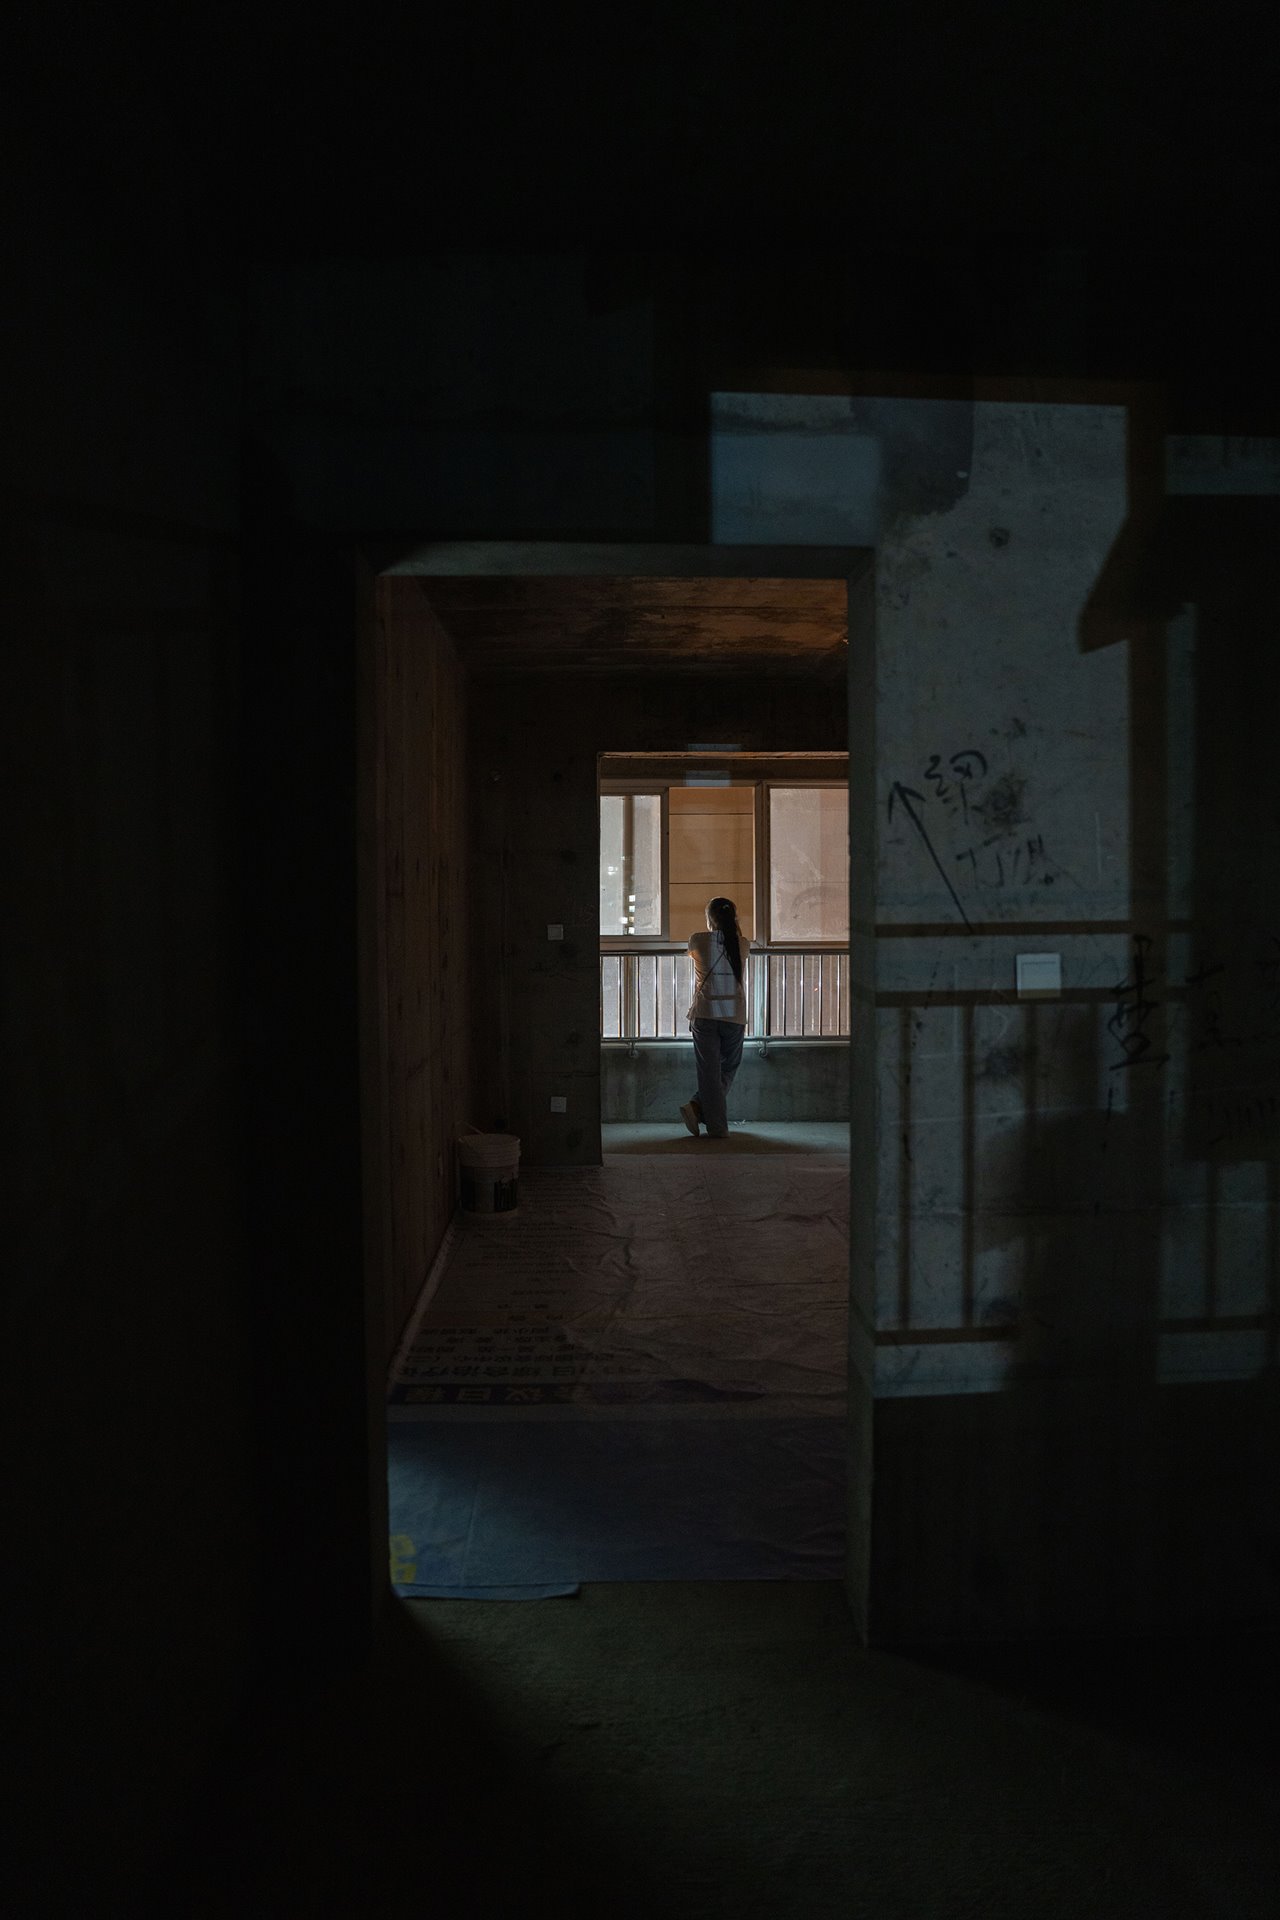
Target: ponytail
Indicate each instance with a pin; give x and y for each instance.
(724, 915)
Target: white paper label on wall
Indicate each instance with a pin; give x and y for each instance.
(1039, 974)
(555, 930)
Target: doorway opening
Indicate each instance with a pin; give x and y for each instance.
(551, 1386)
(770, 832)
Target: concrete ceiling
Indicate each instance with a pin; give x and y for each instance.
(618, 625)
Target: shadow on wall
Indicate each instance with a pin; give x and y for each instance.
(1146, 1358)
(1106, 1460)
(1141, 1442)
(1229, 550)
(1076, 1418)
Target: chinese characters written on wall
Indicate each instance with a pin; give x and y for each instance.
(1195, 1009)
(1224, 1019)
(958, 799)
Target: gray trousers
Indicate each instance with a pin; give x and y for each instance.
(717, 1055)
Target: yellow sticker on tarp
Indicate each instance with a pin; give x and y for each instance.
(404, 1563)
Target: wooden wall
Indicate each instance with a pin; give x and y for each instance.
(711, 851)
(421, 1089)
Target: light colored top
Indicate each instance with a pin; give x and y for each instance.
(716, 994)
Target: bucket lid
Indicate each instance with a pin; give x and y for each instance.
(489, 1149)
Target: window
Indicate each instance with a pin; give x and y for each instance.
(808, 864)
(631, 864)
(781, 852)
(778, 847)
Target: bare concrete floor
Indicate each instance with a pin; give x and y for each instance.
(745, 1136)
(714, 1750)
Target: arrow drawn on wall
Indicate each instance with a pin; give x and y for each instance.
(904, 796)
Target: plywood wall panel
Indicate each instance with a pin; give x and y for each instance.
(689, 905)
(710, 850)
(422, 865)
(701, 800)
(710, 847)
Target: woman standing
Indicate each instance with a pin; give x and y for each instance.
(718, 1016)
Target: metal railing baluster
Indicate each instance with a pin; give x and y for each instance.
(794, 994)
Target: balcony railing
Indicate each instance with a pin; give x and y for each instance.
(792, 994)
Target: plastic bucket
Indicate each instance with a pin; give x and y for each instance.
(489, 1172)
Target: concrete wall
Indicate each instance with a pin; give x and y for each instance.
(133, 1505)
(423, 883)
(535, 743)
(1068, 1253)
(1006, 1231)
(1049, 1335)
(807, 1080)
(467, 394)
(305, 911)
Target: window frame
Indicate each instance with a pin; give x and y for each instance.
(640, 942)
(761, 852)
(764, 886)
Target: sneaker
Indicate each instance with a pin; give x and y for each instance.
(689, 1114)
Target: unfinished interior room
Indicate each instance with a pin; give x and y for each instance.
(635, 1366)
(470, 509)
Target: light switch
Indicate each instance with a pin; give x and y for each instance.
(555, 930)
(559, 1104)
(1039, 975)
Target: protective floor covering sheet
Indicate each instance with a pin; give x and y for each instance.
(638, 1376)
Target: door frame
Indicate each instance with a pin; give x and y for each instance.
(555, 559)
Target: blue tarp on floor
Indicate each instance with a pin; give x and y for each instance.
(531, 1509)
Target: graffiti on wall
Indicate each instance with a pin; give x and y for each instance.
(1219, 1007)
(1222, 1020)
(1136, 1007)
(974, 826)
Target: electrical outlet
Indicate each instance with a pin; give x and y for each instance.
(1039, 975)
(559, 1104)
